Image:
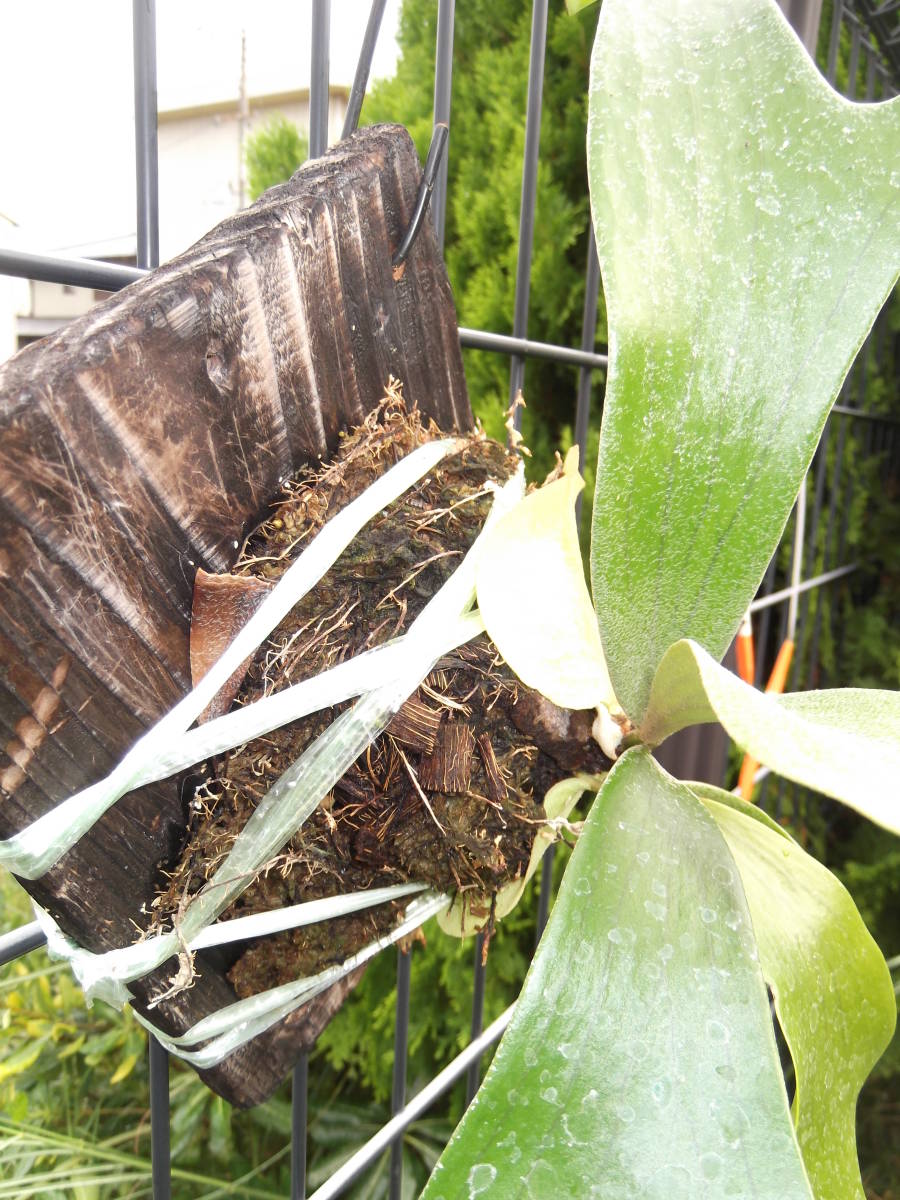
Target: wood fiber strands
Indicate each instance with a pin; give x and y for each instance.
(138, 445)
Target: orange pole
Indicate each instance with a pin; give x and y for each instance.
(778, 678)
(746, 659)
(775, 687)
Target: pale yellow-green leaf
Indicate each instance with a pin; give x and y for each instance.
(124, 1069)
(468, 915)
(832, 987)
(843, 743)
(72, 1047)
(534, 600)
(15, 1064)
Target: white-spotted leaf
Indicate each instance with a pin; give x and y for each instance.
(747, 225)
(641, 1058)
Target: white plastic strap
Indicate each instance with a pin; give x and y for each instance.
(295, 915)
(238, 1023)
(299, 790)
(38, 847)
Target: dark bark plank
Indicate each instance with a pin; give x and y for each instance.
(96, 720)
(137, 445)
(88, 612)
(110, 481)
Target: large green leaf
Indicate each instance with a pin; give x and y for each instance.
(641, 1059)
(845, 744)
(832, 988)
(746, 218)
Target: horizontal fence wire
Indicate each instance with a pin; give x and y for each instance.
(74, 272)
(110, 277)
(767, 600)
(825, 485)
(21, 941)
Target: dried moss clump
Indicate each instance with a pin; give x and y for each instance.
(450, 795)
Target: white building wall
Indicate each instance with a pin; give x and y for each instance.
(11, 300)
(49, 300)
(199, 165)
(199, 160)
(66, 114)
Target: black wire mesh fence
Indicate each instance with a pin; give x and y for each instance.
(857, 50)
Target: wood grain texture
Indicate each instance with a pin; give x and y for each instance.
(137, 445)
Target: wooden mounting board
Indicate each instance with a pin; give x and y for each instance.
(137, 445)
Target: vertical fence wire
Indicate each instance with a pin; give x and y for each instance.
(398, 1083)
(588, 336)
(853, 69)
(363, 67)
(145, 140)
(529, 196)
(443, 82)
(834, 40)
(479, 973)
(860, 378)
(299, 1126)
(160, 1149)
(546, 893)
(763, 629)
(836, 480)
(817, 476)
(147, 188)
(318, 78)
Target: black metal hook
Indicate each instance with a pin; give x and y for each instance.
(426, 187)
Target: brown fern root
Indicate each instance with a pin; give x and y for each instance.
(450, 795)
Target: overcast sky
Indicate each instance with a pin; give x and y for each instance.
(67, 101)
